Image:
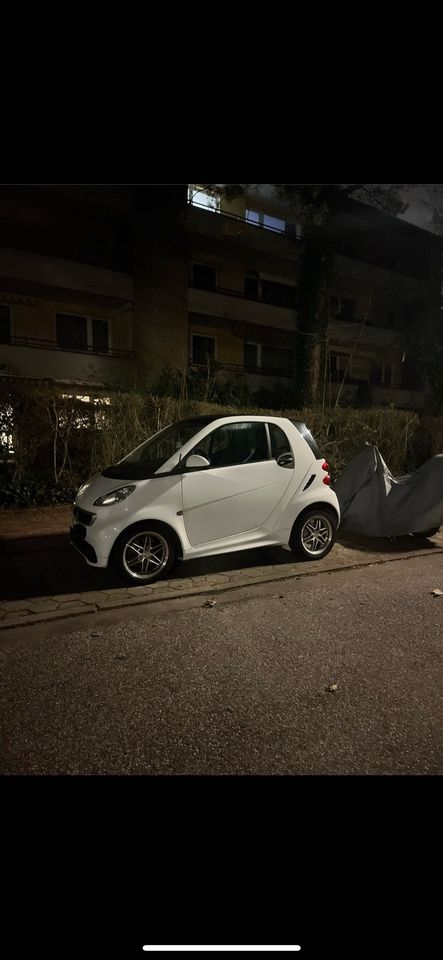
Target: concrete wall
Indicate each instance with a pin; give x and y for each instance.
(241, 234)
(65, 365)
(21, 265)
(37, 319)
(249, 311)
(160, 290)
(229, 349)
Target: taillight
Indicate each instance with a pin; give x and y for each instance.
(325, 466)
(327, 480)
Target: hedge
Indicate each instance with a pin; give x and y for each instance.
(50, 442)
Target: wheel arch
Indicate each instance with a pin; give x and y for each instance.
(139, 525)
(316, 505)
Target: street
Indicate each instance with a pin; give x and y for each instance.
(332, 673)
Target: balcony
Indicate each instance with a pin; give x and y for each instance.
(241, 232)
(235, 369)
(40, 273)
(382, 396)
(234, 305)
(44, 359)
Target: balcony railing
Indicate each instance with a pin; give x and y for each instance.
(240, 294)
(217, 366)
(250, 223)
(39, 344)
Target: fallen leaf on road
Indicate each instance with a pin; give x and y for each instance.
(331, 688)
(437, 593)
(210, 603)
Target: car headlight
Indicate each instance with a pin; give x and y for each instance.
(115, 496)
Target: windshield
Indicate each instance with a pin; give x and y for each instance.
(143, 462)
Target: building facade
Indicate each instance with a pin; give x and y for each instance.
(108, 286)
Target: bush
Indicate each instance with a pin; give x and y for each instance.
(59, 442)
(28, 493)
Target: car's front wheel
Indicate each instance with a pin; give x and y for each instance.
(145, 553)
(313, 534)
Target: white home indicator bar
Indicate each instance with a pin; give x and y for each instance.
(242, 949)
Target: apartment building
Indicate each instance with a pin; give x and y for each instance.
(66, 285)
(108, 285)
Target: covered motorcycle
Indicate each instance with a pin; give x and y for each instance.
(375, 503)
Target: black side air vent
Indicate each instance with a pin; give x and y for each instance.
(308, 484)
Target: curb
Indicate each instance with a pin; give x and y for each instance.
(194, 590)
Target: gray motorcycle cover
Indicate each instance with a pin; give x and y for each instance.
(376, 504)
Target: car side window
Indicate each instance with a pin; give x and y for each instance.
(279, 441)
(235, 443)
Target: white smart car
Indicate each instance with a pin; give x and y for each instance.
(206, 486)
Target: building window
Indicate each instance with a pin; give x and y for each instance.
(271, 291)
(263, 220)
(100, 337)
(5, 323)
(252, 356)
(347, 310)
(278, 294)
(203, 276)
(381, 374)
(82, 333)
(277, 360)
(72, 332)
(252, 287)
(203, 348)
(261, 358)
(342, 308)
(199, 198)
(338, 363)
(294, 230)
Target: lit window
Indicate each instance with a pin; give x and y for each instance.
(262, 220)
(199, 198)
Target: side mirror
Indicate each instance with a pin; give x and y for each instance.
(195, 462)
(285, 460)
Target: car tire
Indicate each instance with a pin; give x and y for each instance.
(426, 534)
(145, 553)
(313, 534)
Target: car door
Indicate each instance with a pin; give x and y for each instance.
(241, 487)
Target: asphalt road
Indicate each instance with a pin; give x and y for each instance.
(240, 687)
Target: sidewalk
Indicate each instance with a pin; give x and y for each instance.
(19, 529)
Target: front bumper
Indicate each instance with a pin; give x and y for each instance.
(77, 535)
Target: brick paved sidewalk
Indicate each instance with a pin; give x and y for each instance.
(15, 613)
(17, 525)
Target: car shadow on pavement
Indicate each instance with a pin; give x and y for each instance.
(49, 566)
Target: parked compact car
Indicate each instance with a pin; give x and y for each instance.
(205, 486)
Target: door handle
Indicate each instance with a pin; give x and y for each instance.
(285, 460)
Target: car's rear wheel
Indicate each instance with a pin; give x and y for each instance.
(313, 534)
(146, 553)
(426, 533)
